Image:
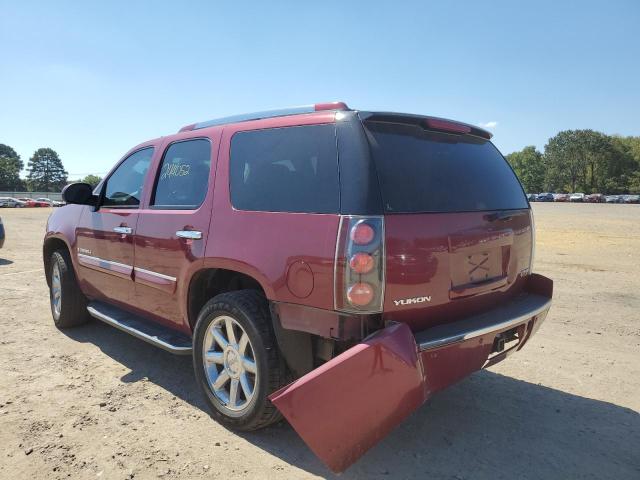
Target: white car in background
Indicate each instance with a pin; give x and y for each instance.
(576, 197)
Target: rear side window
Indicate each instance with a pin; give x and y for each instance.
(183, 178)
(124, 187)
(293, 169)
(424, 171)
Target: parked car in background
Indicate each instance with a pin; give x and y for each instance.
(561, 197)
(631, 198)
(576, 197)
(285, 252)
(28, 202)
(613, 199)
(532, 197)
(544, 197)
(1, 233)
(594, 198)
(10, 202)
(47, 202)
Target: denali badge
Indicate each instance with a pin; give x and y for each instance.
(411, 301)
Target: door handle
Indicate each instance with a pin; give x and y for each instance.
(190, 234)
(123, 230)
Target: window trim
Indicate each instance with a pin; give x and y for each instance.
(297, 125)
(103, 186)
(152, 198)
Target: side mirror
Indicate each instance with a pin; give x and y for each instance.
(80, 194)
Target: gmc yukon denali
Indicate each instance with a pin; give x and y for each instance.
(332, 266)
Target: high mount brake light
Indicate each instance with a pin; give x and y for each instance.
(359, 265)
(447, 126)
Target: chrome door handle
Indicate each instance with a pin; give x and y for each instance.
(190, 234)
(123, 230)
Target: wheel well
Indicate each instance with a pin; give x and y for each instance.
(50, 246)
(208, 283)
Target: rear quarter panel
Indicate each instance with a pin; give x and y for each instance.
(265, 245)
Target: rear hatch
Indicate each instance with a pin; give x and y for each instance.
(458, 229)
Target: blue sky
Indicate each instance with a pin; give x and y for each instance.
(92, 79)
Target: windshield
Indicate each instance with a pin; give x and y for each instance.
(424, 171)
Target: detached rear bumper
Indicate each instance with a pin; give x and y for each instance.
(347, 405)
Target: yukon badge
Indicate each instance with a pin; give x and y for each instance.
(411, 301)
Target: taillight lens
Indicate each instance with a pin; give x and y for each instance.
(361, 262)
(359, 272)
(360, 294)
(362, 233)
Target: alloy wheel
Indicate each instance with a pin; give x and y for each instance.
(229, 363)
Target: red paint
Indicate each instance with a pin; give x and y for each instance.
(347, 405)
(427, 255)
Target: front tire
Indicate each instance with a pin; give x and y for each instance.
(236, 360)
(68, 303)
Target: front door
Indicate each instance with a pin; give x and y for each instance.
(172, 229)
(105, 236)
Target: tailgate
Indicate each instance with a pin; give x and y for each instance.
(442, 267)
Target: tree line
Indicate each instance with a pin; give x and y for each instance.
(45, 172)
(580, 161)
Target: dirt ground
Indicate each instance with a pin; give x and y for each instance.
(94, 402)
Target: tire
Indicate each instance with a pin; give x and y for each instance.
(69, 309)
(248, 312)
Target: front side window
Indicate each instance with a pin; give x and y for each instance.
(183, 177)
(124, 187)
(292, 169)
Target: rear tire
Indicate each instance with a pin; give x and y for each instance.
(237, 374)
(68, 303)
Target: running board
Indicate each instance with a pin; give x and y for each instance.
(153, 333)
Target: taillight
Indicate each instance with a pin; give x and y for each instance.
(359, 267)
(361, 262)
(533, 239)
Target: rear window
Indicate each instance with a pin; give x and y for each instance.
(425, 171)
(293, 169)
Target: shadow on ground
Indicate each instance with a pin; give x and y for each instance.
(4, 261)
(489, 426)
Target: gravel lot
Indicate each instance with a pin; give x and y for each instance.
(94, 402)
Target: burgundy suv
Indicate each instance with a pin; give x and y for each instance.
(337, 267)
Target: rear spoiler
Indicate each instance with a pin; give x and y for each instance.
(430, 123)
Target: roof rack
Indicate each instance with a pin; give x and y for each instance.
(281, 112)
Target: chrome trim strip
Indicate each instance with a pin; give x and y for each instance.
(137, 333)
(189, 234)
(154, 274)
(101, 261)
(123, 230)
(462, 336)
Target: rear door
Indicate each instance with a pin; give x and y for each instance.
(105, 236)
(173, 227)
(457, 222)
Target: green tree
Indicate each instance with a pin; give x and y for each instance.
(582, 160)
(529, 166)
(92, 180)
(46, 172)
(10, 166)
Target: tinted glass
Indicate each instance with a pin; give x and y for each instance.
(184, 175)
(423, 171)
(292, 169)
(124, 186)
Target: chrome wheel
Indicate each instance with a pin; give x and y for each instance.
(229, 363)
(56, 290)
